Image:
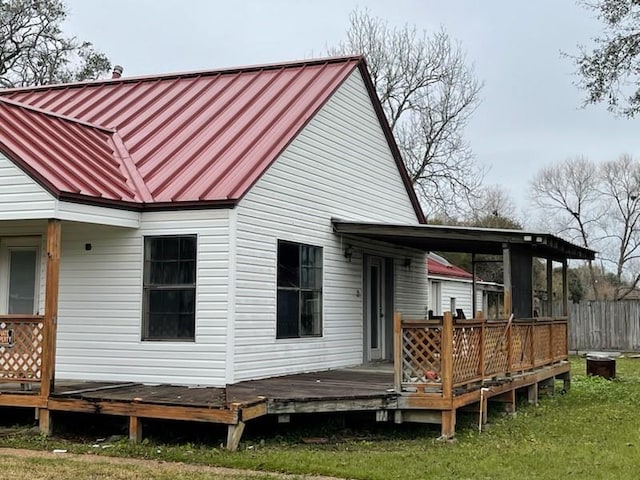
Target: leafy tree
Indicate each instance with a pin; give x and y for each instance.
(428, 92)
(34, 50)
(609, 70)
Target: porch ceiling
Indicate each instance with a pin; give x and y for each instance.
(441, 238)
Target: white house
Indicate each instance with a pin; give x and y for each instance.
(195, 211)
(451, 289)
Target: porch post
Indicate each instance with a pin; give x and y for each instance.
(506, 275)
(474, 286)
(51, 306)
(549, 287)
(397, 351)
(565, 289)
(446, 352)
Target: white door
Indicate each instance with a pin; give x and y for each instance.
(375, 309)
(19, 275)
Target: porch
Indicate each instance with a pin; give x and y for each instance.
(440, 367)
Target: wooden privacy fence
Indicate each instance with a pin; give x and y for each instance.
(22, 348)
(605, 325)
(438, 356)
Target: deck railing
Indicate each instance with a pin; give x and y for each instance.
(22, 346)
(437, 356)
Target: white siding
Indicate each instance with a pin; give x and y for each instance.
(20, 196)
(339, 166)
(462, 291)
(78, 212)
(99, 326)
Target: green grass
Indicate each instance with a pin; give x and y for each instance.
(592, 432)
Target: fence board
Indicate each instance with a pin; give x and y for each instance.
(605, 325)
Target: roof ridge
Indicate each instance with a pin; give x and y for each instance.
(130, 169)
(187, 74)
(56, 115)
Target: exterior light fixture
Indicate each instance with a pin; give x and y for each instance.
(348, 253)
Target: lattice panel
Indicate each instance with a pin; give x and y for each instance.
(542, 345)
(22, 361)
(466, 353)
(496, 350)
(521, 347)
(421, 354)
(559, 342)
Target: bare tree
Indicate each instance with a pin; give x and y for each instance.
(494, 208)
(428, 92)
(609, 71)
(568, 196)
(34, 51)
(620, 188)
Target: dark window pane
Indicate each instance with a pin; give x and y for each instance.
(288, 312)
(171, 313)
(288, 264)
(374, 306)
(311, 313)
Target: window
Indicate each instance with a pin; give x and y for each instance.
(299, 290)
(169, 288)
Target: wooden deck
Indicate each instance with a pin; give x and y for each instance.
(439, 367)
(343, 390)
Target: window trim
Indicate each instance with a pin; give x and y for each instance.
(300, 291)
(147, 288)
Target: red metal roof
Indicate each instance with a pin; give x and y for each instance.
(445, 269)
(186, 138)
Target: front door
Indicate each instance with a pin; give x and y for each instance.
(19, 275)
(375, 309)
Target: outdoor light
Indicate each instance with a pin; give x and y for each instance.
(348, 253)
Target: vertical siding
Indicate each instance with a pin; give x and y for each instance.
(20, 196)
(99, 326)
(339, 166)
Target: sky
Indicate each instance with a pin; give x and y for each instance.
(531, 113)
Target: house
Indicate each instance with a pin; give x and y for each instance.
(222, 227)
(189, 254)
(452, 288)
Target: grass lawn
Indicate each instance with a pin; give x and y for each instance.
(592, 432)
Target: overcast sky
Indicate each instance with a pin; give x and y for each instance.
(530, 114)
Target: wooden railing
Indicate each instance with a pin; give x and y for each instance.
(22, 348)
(437, 356)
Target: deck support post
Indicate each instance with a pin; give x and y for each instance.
(234, 434)
(448, 426)
(135, 429)
(507, 399)
(566, 381)
(45, 421)
(532, 394)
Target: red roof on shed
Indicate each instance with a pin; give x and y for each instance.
(446, 269)
(192, 137)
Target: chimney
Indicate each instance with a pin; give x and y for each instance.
(117, 71)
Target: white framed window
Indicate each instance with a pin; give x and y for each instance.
(20, 275)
